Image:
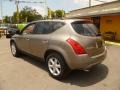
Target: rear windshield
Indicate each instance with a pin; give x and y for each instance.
(85, 28)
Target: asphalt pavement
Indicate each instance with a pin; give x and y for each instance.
(25, 73)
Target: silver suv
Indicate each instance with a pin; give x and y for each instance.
(64, 45)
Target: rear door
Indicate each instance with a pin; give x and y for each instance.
(89, 37)
(40, 39)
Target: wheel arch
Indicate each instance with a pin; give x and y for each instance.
(51, 51)
(11, 41)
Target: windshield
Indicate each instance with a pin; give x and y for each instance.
(85, 28)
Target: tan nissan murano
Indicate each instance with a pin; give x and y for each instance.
(64, 45)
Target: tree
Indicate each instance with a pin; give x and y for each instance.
(49, 13)
(7, 19)
(15, 17)
(60, 13)
(55, 14)
(27, 14)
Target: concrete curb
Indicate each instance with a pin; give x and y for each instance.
(112, 43)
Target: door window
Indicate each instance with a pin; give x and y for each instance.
(42, 28)
(47, 27)
(29, 29)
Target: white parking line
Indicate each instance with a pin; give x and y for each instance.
(112, 43)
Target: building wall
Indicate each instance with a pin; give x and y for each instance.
(110, 23)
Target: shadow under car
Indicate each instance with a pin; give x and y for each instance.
(76, 77)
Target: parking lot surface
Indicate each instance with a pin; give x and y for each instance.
(25, 73)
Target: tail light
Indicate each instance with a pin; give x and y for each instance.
(78, 49)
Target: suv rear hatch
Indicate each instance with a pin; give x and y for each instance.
(88, 37)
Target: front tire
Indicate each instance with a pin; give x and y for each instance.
(14, 50)
(57, 67)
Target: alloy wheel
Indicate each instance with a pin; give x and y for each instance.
(13, 48)
(54, 66)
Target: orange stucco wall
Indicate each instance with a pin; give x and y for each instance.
(110, 23)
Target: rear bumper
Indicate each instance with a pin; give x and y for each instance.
(84, 61)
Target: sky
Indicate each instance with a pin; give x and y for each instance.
(9, 7)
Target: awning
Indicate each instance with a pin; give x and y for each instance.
(103, 9)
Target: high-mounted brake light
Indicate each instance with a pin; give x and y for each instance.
(78, 49)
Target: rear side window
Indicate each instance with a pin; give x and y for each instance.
(47, 27)
(85, 28)
(57, 25)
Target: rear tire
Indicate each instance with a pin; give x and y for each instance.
(14, 49)
(57, 67)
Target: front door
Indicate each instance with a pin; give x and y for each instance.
(23, 41)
